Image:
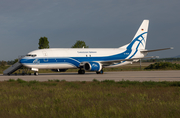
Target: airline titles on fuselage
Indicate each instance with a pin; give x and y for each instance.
(86, 52)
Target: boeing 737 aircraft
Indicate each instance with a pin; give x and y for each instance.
(89, 59)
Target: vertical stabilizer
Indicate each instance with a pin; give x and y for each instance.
(139, 40)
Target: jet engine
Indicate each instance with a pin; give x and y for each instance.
(92, 66)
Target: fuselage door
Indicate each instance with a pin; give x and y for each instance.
(45, 54)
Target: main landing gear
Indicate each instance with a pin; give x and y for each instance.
(99, 72)
(81, 71)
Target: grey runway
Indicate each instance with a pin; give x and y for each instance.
(173, 75)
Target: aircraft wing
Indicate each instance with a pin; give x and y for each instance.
(144, 51)
(107, 63)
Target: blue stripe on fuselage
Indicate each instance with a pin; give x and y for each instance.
(72, 60)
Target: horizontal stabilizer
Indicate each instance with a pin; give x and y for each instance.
(156, 50)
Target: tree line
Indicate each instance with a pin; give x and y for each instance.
(44, 44)
(162, 60)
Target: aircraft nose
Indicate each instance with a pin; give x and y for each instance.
(22, 60)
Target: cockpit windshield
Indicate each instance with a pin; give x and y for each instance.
(31, 55)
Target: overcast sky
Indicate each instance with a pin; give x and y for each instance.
(100, 23)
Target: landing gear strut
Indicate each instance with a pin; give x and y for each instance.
(36, 73)
(99, 72)
(81, 71)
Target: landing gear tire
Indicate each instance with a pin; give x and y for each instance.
(81, 71)
(99, 72)
(36, 73)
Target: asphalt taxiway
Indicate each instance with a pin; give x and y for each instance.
(173, 75)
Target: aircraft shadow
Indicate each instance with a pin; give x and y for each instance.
(42, 74)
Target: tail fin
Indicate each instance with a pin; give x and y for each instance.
(139, 40)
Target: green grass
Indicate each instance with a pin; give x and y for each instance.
(163, 66)
(59, 98)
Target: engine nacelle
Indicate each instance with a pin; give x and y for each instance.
(92, 66)
(58, 70)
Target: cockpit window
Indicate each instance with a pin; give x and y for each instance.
(31, 55)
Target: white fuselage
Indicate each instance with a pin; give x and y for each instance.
(64, 58)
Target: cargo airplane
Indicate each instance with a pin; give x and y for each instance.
(90, 59)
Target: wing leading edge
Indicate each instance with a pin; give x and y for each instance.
(107, 63)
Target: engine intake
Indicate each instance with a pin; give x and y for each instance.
(93, 66)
